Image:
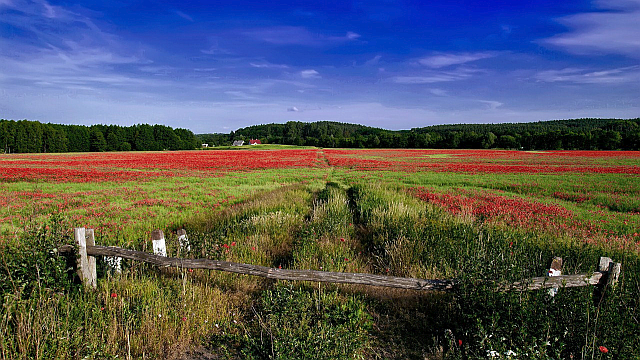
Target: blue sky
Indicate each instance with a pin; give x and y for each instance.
(218, 66)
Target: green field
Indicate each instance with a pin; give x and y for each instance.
(411, 214)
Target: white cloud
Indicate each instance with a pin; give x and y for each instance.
(439, 92)
(267, 65)
(444, 60)
(293, 109)
(184, 16)
(605, 32)
(423, 79)
(352, 36)
(589, 76)
(309, 74)
(491, 104)
(374, 61)
(296, 35)
(430, 77)
(239, 95)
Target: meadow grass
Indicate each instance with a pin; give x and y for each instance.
(328, 219)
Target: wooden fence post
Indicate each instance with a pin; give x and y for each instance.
(159, 246)
(611, 270)
(555, 270)
(86, 264)
(183, 240)
(610, 274)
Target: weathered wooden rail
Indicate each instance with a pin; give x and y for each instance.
(607, 273)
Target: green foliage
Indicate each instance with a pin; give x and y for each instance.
(33, 264)
(298, 323)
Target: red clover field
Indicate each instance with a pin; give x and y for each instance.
(482, 217)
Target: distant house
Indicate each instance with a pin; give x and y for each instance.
(205, 145)
(255, 142)
(238, 143)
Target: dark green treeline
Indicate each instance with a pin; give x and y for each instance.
(33, 137)
(580, 134)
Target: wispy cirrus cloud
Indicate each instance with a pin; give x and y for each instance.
(444, 60)
(590, 76)
(430, 77)
(184, 16)
(613, 31)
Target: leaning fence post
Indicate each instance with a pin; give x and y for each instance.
(86, 264)
(159, 247)
(555, 270)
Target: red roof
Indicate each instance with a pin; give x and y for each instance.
(255, 142)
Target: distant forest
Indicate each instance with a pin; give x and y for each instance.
(34, 137)
(579, 134)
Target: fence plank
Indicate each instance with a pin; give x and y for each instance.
(544, 282)
(272, 273)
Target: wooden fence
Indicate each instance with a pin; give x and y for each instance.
(606, 275)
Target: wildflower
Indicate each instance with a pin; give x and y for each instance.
(459, 342)
(342, 239)
(233, 243)
(279, 266)
(114, 295)
(253, 248)
(603, 349)
(102, 308)
(190, 270)
(184, 318)
(225, 246)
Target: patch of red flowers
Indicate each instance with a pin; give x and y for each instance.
(486, 161)
(490, 207)
(139, 166)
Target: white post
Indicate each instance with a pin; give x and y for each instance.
(555, 270)
(159, 247)
(183, 240)
(86, 264)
